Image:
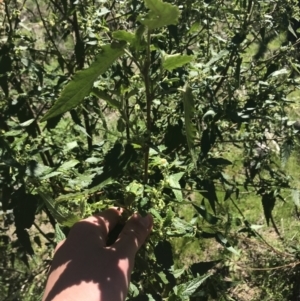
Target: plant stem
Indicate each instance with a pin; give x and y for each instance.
(148, 104)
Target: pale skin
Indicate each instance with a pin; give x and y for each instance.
(85, 269)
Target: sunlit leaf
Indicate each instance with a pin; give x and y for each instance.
(68, 165)
(123, 35)
(177, 60)
(80, 86)
(174, 183)
(296, 197)
(187, 289)
(65, 219)
(59, 235)
(160, 14)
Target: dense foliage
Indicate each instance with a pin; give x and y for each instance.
(142, 104)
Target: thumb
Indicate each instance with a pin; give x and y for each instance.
(134, 234)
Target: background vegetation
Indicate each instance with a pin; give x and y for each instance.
(185, 109)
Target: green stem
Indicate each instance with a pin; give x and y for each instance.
(147, 81)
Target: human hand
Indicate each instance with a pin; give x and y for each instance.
(84, 268)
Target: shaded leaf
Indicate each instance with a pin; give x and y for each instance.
(208, 190)
(268, 202)
(286, 151)
(206, 215)
(103, 95)
(218, 161)
(202, 268)
(82, 83)
(190, 128)
(164, 254)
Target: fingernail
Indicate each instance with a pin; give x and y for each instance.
(145, 221)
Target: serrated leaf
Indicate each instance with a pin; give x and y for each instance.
(286, 151)
(174, 182)
(206, 215)
(80, 86)
(187, 289)
(64, 219)
(173, 61)
(160, 14)
(59, 235)
(190, 128)
(68, 165)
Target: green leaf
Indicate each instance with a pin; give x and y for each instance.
(181, 228)
(50, 175)
(190, 128)
(123, 35)
(208, 190)
(279, 72)
(59, 235)
(65, 219)
(206, 215)
(295, 197)
(68, 165)
(36, 170)
(173, 61)
(174, 183)
(286, 151)
(103, 95)
(80, 86)
(27, 123)
(187, 289)
(81, 129)
(224, 242)
(86, 192)
(160, 14)
(217, 57)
